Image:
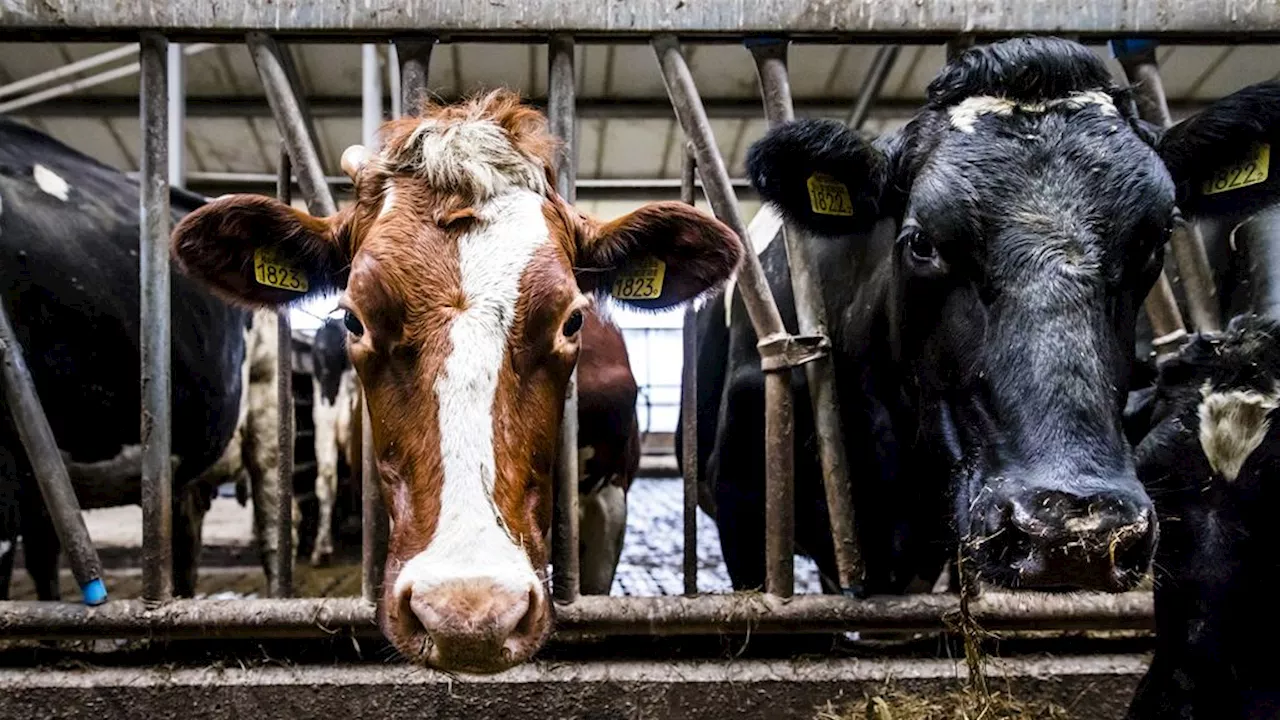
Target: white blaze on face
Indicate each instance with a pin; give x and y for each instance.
(1233, 423)
(964, 115)
(471, 539)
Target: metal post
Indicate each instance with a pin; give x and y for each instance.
(371, 93)
(46, 462)
(1259, 236)
(561, 106)
(283, 559)
(157, 471)
(1167, 328)
(689, 405)
(775, 88)
(414, 57)
(1138, 58)
(778, 349)
(883, 62)
(177, 117)
(393, 80)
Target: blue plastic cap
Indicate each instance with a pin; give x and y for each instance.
(1121, 48)
(95, 592)
(755, 41)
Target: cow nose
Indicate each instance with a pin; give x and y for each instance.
(476, 626)
(1056, 539)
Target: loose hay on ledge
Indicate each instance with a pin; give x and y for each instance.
(892, 703)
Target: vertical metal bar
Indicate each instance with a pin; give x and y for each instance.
(46, 461)
(881, 65)
(957, 45)
(157, 472)
(371, 93)
(177, 117)
(561, 113)
(689, 406)
(1138, 58)
(393, 80)
(1167, 327)
(415, 63)
(283, 571)
(775, 88)
(1260, 238)
(779, 457)
(287, 110)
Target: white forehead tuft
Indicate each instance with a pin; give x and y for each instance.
(964, 115)
(475, 159)
(1233, 423)
(471, 540)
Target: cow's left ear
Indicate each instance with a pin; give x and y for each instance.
(656, 257)
(1224, 159)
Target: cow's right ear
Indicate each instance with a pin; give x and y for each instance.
(257, 251)
(821, 174)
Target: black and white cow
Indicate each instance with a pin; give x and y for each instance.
(335, 398)
(69, 279)
(1211, 463)
(981, 271)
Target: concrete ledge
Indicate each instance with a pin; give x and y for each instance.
(1093, 687)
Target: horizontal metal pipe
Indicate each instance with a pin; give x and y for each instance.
(590, 615)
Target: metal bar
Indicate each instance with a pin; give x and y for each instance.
(46, 462)
(779, 460)
(689, 404)
(877, 73)
(371, 95)
(565, 563)
(1259, 237)
(393, 80)
(157, 471)
(899, 19)
(640, 108)
(811, 317)
(287, 110)
(290, 65)
(103, 78)
(415, 63)
(68, 70)
(177, 117)
(590, 615)
(1167, 328)
(282, 586)
(1142, 68)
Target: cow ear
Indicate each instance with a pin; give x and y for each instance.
(822, 175)
(1224, 159)
(257, 251)
(659, 256)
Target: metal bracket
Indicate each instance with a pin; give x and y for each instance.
(783, 352)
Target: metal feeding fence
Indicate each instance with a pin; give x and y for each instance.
(263, 25)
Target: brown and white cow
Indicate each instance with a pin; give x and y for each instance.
(465, 278)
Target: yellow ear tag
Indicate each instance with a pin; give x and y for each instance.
(828, 196)
(270, 270)
(1251, 171)
(640, 280)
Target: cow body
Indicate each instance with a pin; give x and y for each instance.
(335, 401)
(981, 272)
(69, 269)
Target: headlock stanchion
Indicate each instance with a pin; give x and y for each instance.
(1138, 58)
(561, 102)
(280, 585)
(877, 73)
(689, 404)
(775, 88)
(153, 267)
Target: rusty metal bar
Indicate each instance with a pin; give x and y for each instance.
(46, 462)
(282, 574)
(561, 107)
(1141, 67)
(590, 616)
(877, 73)
(156, 435)
(1167, 328)
(414, 57)
(773, 337)
(811, 317)
(689, 403)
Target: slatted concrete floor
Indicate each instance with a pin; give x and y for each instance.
(650, 565)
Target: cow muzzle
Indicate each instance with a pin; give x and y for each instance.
(472, 625)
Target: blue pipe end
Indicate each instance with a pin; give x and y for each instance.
(756, 41)
(1121, 48)
(95, 592)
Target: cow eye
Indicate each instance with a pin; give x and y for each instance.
(573, 324)
(921, 249)
(352, 323)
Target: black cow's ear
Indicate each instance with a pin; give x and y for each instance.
(821, 175)
(1223, 159)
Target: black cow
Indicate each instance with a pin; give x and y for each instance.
(1210, 462)
(981, 270)
(69, 272)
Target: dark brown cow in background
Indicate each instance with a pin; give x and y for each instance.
(466, 282)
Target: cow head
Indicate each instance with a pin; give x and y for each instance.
(464, 276)
(1031, 208)
(1210, 461)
